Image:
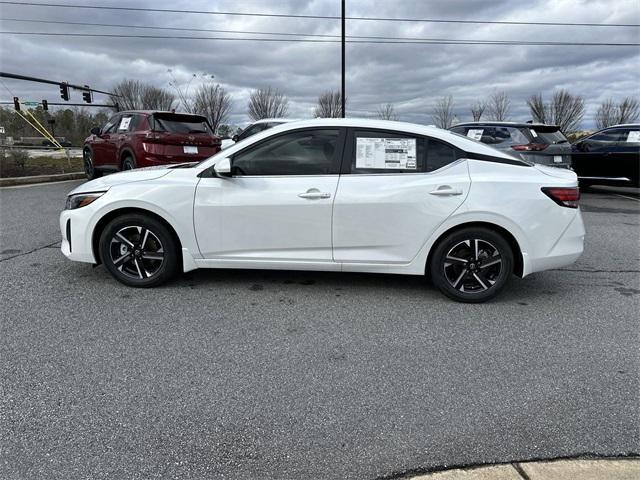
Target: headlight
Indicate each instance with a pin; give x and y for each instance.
(81, 200)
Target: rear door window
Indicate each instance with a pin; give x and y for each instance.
(631, 136)
(125, 123)
(374, 151)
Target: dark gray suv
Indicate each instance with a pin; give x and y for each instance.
(534, 142)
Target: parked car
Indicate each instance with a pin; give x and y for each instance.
(136, 139)
(339, 195)
(609, 157)
(533, 142)
(254, 128)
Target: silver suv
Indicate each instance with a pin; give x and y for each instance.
(534, 142)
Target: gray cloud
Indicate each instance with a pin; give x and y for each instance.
(412, 77)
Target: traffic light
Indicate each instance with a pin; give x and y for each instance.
(64, 92)
(16, 104)
(45, 105)
(86, 95)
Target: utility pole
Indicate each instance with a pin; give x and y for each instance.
(343, 95)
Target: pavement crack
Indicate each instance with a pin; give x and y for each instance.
(30, 251)
(593, 271)
(518, 468)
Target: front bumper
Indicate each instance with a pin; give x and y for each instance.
(76, 235)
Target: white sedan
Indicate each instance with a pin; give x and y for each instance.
(338, 195)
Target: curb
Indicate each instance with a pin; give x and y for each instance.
(623, 468)
(59, 177)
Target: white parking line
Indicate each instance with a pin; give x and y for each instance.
(630, 198)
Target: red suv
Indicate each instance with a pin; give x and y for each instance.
(135, 139)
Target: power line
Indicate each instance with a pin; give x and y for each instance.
(304, 40)
(247, 32)
(322, 17)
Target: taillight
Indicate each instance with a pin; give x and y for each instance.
(530, 147)
(565, 197)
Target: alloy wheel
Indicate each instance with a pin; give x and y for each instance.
(472, 266)
(136, 252)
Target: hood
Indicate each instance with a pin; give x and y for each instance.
(563, 173)
(120, 178)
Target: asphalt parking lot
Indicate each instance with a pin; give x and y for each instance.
(258, 374)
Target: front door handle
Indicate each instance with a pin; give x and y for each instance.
(446, 190)
(314, 194)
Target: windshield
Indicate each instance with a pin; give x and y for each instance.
(181, 124)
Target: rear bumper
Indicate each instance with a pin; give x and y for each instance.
(566, 250)
(562, 160)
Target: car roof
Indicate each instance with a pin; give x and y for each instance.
(151, 112)
(625, 125)
(270, 120)
(506, 124)
(460, 141)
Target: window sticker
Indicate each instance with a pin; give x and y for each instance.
(475, 133)
(634, 136)
(386, 153)
(533, 132)
(124, 123)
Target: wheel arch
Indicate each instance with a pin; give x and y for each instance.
(105, 219)
(518, 262)
(126, 152)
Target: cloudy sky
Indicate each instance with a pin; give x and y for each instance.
(411, 77)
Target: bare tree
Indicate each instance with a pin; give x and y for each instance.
(606, 114)
(387, 112)
(137, 95)
(442, 114)
(213, 102)
(267, 103)
(539, 110)
(498, 106)
(609, 113)
(478, 109)
(565, 110)
(628, 110)
(329, 105)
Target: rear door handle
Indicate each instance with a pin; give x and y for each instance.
(314, 194)
(446, 190)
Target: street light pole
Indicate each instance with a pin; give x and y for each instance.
(342, 96)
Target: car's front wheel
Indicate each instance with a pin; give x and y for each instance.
(472, 265)
(89, 168)
(138, 250)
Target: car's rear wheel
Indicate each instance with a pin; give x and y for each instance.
(138, 250)
(128, 163)
(89, 169)
(472, 265)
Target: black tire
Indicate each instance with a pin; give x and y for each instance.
(461, 274)
(128, 163)
(89, 169)
(145, 259)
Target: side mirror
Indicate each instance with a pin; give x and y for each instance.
(223, 168)
(95, 130)
(235, 138)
